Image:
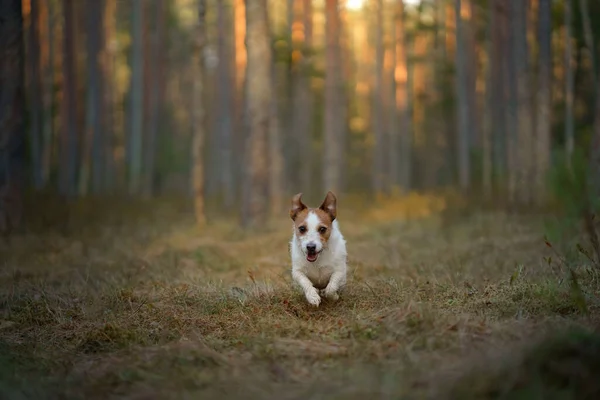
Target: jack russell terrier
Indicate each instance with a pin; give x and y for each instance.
(318, 250)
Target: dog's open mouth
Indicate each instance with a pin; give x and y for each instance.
(312, 256)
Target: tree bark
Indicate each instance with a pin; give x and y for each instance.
(544, 99)
(12, 124)
(198, 116)
(259, 103)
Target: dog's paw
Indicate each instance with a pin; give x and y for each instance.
(312, 296)
(332, 295)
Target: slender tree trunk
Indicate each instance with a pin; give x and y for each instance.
(35, 106)
(48, 93)
(524, 112)
(512, 127)
(404, 134)
(199, 113)
(240, 58)
(109, 112)
(12, 124)
(156, 95)
(544, 99)
(487, 132)
(569, 83)
(69, 143)
(498, 106)
(332, 146)
(276, 165)
(588, 36)
(302, 95)
(463, 102)
(377, 114)
(136, 110)
(94, 119)
(392, 148)
(224, 107)
(468, 28)
(259, 103)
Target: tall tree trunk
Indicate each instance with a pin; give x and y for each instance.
(524, 111)
(377, 114)
(199, 113)
(35, 87)
(156, 95)
(588, 36)
(240, 58)
(110, 114)
(12, 124)
(69, 142)
(94, 120)
(468, 27)
(569, 82)
(464, 137)
(224, 107)
(259, 103)
(276, 165)
(401, 145)
(302, 95)
(332, 143)
(498, 106)
(136, 109)
(48, 93)
(544, 99)
(487, 131)
(512, 127)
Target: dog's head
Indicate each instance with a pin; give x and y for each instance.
(313, 225)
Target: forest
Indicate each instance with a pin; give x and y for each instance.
(150, 149)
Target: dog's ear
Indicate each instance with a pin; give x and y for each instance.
(329, 205)
(297, 206)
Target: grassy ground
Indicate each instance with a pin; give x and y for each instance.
(436, 307)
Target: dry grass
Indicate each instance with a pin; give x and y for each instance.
(150, 307)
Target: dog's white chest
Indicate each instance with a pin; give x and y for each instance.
(319, 276)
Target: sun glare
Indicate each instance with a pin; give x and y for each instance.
(358, 4)
(355, 4)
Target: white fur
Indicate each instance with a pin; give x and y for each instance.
(325, 276)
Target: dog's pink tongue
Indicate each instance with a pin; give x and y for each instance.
(311, 257)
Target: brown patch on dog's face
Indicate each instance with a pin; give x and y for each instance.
(313, 226)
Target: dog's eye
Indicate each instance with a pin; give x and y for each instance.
(322, 230)
(302, 229)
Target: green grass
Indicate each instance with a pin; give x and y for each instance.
(155, 308)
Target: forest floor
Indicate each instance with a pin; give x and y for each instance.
(437, 306)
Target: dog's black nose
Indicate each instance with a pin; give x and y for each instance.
(311, 248)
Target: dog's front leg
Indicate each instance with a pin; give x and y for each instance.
(336, 282)
(312, 295)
